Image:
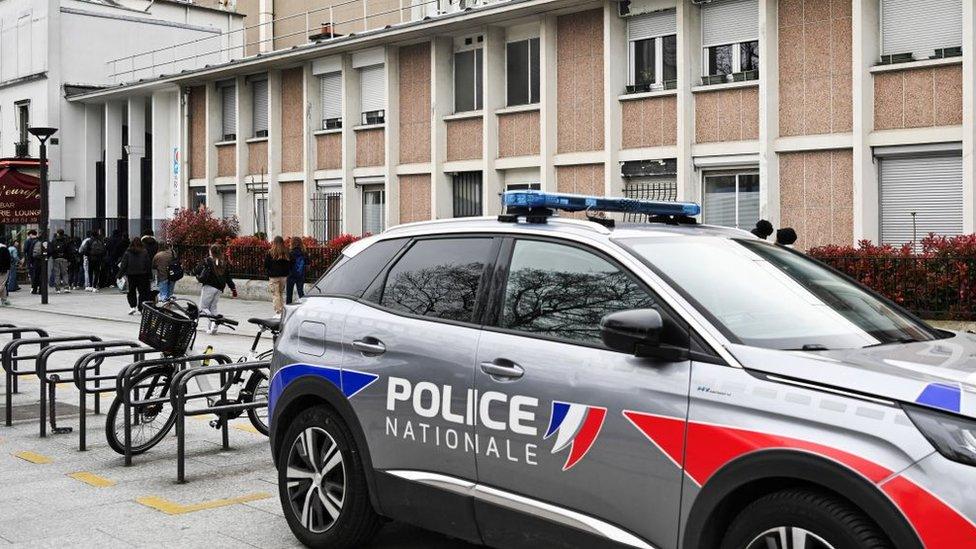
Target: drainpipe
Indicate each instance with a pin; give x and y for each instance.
(266, 30)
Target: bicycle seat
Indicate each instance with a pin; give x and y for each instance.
(273, 324)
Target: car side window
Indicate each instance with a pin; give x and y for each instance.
(351, 276)
(563, 291)
(438, 278)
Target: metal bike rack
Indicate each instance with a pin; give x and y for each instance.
(93, 361)
(124, 386)
(180, 398)
(16, 333)
(9, 359)
(49, 378)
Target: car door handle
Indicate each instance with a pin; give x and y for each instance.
(501, 367)
(369, 346)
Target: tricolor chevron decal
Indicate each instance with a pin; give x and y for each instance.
(577, 426)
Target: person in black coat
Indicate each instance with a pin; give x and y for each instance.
(136, 266)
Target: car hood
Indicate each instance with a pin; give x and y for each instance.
(938, 374)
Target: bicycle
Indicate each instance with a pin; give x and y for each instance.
(171, 328)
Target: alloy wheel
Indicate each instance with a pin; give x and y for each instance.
(788, 537)
(316, 477)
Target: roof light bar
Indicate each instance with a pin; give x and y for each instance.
(526, 201)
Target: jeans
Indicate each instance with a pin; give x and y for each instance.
(209, 298)
(294, 282)
(165, 289)
(96, 266)
(61, 275)
(3, 287)
(12, 280)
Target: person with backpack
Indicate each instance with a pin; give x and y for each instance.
(12, 285)
(60, 261)
(137, 268)
(30, 247)
(277, 264)
(85, 268)
(213, 273)
(5, 265)
(166, 266)
(95, 252)
(299, 266)
(76, 278)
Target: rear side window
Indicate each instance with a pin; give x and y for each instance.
(351, 275)
(438, 278)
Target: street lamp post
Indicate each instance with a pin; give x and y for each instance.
(42, 135)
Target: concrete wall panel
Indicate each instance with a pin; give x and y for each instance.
(415, 103)
(464, 139)
(518, 134)
(650, 122)
(329, 151)
(579, 81)
(414, 198)
(816, 196)
(257, 158)
(292, 116)
(727, 115)
(227, 160)
(292, 208)
(198, 132)
(918, 98)
(370, 148)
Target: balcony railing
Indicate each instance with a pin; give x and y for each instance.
(313, 26)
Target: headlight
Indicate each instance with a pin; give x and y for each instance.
(953, 436)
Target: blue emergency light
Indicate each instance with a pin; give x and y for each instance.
(535, 201)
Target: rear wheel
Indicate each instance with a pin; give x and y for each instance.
(151, 422)
(803, 519)
(257, 388)
(322, 484)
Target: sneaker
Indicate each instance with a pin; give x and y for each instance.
(67, 291)
(133, 311)
(58, 291)
(5, 302)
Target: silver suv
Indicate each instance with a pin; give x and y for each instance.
(538, 381)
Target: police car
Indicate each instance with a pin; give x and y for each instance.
(534, 380)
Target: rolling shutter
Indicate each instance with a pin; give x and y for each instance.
(729, 22)
(920, 27)
(228, 204)
(330, 92)
(371, 86)
(260, 106)
(929, 186)
(228, 98)
(651, 25)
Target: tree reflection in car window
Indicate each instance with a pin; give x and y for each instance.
(438, 278)
(563, 292)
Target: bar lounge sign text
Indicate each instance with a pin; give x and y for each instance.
(20, 197)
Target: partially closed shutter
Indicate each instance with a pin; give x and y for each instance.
(910, 26)
(729, 21)
(931, 187)
(228, 111)
(330, 91)
(371, 84)
(651, 25)
(228, 204)
(260, 107)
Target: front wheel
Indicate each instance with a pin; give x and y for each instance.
(322, 484)
(257, 388)
(803, 519)
(151, 422)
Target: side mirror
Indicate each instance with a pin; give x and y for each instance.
(638, 332)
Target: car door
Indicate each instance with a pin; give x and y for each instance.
(414, 333)
(563, 461)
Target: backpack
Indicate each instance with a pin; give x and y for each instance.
(175, 271)
(59, 248)
(300, 265)
(96, 247)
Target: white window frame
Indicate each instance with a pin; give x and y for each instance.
(223, 87)
(259, 219)
(477, 43)
(371, 188)
(726, 173)
(254, 107)
(381, 113)
(524, 38)
(658, 60)
(736, 58)
(324, 120)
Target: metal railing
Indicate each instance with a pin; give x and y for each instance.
(932, 287)
(335, 21)
(247, 262)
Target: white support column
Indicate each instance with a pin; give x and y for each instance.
(137, 151)
(865, 50)
(493, 82)
(213, 135)
(266, 28)
(614, 81)
(245, 200)
(94, 145)
(391, 135)
(274, 153)
(114, 118)
(547, 102)
(689, 69)
(352, 200)
(769, 205)
(968, 114)
(165, 155)
(442, 104)
(310, 113)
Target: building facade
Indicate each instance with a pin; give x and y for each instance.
(845, 119)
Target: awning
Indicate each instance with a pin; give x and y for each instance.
(20, 197)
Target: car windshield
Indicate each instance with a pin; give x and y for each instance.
(763, 295)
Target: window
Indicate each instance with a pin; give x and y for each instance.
(259, 112)
(653, 49)
(327, 213)
(921, 195)
(372, 87)
(228, 102)
(731, 200)
(920, 30)
(438, 278)
(261, 212)
(523, 187)
(351, 276)
(468, 64)
(228, 201)
(730, 41)
(198, 198)
(374, 209)
(23, 120)
(467, 194)
(330, 94)
(522, 71)
(562, 292)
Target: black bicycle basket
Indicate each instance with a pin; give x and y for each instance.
(165, 330)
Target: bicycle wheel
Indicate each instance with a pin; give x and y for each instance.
(150, 423)
(257, 387)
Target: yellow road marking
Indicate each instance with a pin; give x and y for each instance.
(246, 427)
(92, 479)
(33, 457)
(170, 508)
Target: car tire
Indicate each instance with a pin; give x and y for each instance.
(823, 520)
(326, 505)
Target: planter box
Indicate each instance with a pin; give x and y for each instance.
(745, 76)
(894, 58)
(638, 88)
(713, 80)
